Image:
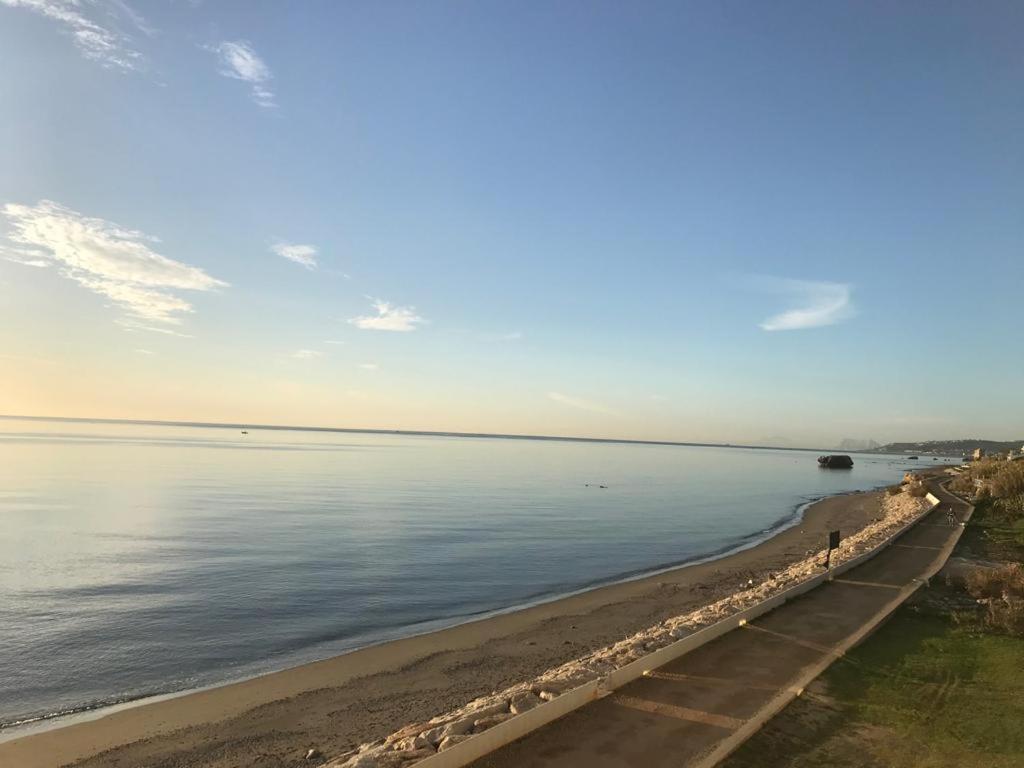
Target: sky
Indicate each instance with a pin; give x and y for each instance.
(785, 223)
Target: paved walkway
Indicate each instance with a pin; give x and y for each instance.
(683, 711)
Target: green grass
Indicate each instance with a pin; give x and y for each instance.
(935, 687)
(921, 693)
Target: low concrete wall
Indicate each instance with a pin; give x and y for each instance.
(516, 727)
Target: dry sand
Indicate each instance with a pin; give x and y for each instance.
(336, 704)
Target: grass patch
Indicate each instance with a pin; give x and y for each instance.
(921, 693)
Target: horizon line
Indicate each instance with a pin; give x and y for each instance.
(411, 432)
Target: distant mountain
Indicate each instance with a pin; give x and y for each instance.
(853, 444)
(952, 447)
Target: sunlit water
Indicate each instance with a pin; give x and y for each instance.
(140, 559)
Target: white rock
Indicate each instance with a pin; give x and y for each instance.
(412, 743)
(451, 741)
(489, 722)
(459, 727)
(488, 709)
(524, 702)
(434, 735)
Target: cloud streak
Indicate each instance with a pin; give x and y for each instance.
(95, 40)
(388, 318)
(818, 304)
(239, 61)
(579, 403)
(300, 254)
(106, 258)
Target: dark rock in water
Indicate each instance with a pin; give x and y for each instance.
(835, 461)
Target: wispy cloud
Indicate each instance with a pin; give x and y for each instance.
(388, 318)
(306, 354)
(369, 366)
(240, 61)
(106, 258)
(335, 341)
(580, 403)
(818, 304)
(300, 254)
(97, 41)
(145, 351)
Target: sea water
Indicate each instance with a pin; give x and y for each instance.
(145, 559)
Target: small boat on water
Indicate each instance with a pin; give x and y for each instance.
(835, 461)
(912, 458)
(245, 432)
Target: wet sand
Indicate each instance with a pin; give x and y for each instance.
(335, 704)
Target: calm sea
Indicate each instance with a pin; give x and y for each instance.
(137, 560)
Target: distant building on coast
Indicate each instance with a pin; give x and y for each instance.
(979, 453)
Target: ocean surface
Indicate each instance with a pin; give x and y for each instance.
(138, 559)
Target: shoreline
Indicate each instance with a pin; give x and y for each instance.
(32, 726)
(285, 712)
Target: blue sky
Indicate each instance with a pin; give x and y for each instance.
(718, 221)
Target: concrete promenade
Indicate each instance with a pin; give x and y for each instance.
(693, 711)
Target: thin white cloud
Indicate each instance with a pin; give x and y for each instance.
(306, 354)
(145, 351)
(107, 259)
(369, 366)
(240, 61)
(513, 336)
(335, 341)
(388, 318)
(579, 402)
(95, 40)
(300, 254)
(819, 303)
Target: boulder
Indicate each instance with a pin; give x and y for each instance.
(450, 741)
(459, 727)
(481, 725)
(434, 735)
(413, 743)
(524, 702)
(486, 709)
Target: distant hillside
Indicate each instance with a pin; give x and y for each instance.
(854, 444)
(952, 447)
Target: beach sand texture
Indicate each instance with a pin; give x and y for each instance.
(336, 704)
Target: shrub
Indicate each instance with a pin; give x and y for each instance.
(1001, 590)
(917, 490)
(986, 468)
(1012, 506)
(962, 485)
(1009, 480)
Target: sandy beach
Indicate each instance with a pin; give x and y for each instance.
(335, 704)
